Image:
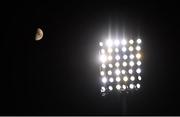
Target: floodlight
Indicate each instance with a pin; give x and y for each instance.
(120, 65)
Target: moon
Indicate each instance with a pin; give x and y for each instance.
(39, 34)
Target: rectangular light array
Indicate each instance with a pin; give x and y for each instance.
(120, 65)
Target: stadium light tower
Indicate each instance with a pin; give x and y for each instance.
(120, 65)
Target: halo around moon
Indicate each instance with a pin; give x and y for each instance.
(39, 34)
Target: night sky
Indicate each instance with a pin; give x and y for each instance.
(59, 75)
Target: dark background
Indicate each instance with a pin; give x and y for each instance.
(59, 74)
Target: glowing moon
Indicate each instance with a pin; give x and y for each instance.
(39, 34)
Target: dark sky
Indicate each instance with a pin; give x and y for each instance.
(59, 74)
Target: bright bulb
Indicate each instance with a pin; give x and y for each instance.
(110, 88)
(131, 41)
(125, 78)
(138, 63)
(138, 48)
(104, 79)
(103, 58)
(131, 48)
(130, 71)
(139, 77)
(102, 51)
(139, 41)
(116, 50)
(124, 64)
(117, 64)
(138, 85)
(138, 55)
(110, 50)
(109, 58)
(123, 71)
(111, 79)
(103, 66)
(123, 42)
(109, 72)
(125, 57)
(132, 78)
(131, 86)
(124, 49)
(118, 87)
(103, 89)
(118, 79)
(131, 56)
(138, 70)
(124, 87)
(131, 63)
(110, 65)
(117, 71)
(102, 73)
(117, 57)
(109, 42)
(100, 43)
(116, 42)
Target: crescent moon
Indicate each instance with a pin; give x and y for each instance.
(39, 34)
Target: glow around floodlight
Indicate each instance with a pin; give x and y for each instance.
(138, 85)
(125, 78)
(131, 56)
(100, 43)
(111, 80)
(138, 63)
(123, 42)
(110, 88)
(118, 87)
(102, 73)
(110, 50)
(124, 49)
(132, 78)
(130, 71)
(110, 65)
(139, 41)
(123, 71)
(138, 70)
(138, 48)
(103, 89)
(131, 63)
(104, 79)
(118, 79)
(103, 58)
(138, 55)
(117, 71)
(117, 64)
(131, 86)
(124, 64)
(116, 50)
(131, 48)
(110, 58)
(125, 57)
(109, 72)
(139, 77)
(131, 41)
(116, 42)
(117, 57)
(109, 42)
